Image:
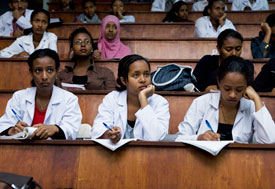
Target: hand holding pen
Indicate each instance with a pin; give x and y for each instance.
(19, 127)
(113, 133)
(209, 135)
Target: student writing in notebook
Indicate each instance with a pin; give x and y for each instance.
(235, 113)
(53, 111)
(133, 111)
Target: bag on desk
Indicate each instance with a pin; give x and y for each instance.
(18, 181)
(174, 77)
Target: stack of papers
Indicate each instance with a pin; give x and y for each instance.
(25, 134)
(73, 86)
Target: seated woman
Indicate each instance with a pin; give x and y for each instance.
(84, 71)
(178, 13)
(255, 5)
(229, 43)
(88, 15)
(235, 113)
(53, 111)
(117, 7)
(265, 80)
(215, 23)
(109, 44)
(263, 46)
(39, 38)
(133, 111)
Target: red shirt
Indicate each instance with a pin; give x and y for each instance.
(38, 117)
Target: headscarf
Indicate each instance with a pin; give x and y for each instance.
(112, 48)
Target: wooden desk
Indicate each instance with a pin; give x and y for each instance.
(152, 30)
(179, 103)
(84, 164)
(190, 48)
(10, 69)
(155, 17)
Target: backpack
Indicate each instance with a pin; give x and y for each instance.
(18, 181)
(174, 77)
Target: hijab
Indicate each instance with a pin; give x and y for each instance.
(112, 48)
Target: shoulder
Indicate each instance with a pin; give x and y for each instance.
(156, 99)
(6, 14)
(208, 59)
(66, 95)
(207, 99)
(24, 93)
(50, 35)
(103, 70)
(203, 19)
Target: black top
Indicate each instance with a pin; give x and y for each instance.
(265, 81)
(206, 71)
(131, 123)
(225, 130)
(80, 79)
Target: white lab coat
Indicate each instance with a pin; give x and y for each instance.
(127, 19)
(25, 43)
(239, 5)
(163, 5)
(200, 5)
(63, 110)
(249, 126)
(204, 27)
(6, 27)
(152, 122)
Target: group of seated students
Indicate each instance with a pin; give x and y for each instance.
(133, 110)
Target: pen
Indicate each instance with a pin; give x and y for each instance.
(16, 115)
(21, 46)
(109, 128)
(209, 126)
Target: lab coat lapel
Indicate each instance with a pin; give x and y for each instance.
(244, 104)
(28, 43)
(55, 99)
(122, 109)
(30, 103)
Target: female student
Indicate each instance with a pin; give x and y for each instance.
(118, 11)
(263, 46)
(133, 111)
(84, 71)
(229, 43)
(178, 13)
(53, 111)
(109, 44)
(39, 38)
(235, 113)
(215, 23)
(88, 15)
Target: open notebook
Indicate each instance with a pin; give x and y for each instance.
(25, 134)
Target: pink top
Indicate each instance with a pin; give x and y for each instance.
(112, 48)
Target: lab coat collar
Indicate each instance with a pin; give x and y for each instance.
(29, 42)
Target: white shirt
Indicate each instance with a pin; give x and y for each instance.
(200, 5)
(204, 27)
(249, 126)
(63, 110)
(6, 26)
(152, 122)
(163, 5)
(127, 18)
(25, 43)
(239, 5)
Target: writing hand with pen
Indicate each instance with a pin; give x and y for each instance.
(209, 135)
(114, 133)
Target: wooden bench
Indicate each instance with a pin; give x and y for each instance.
(179, 103)
(155, 17)
(152, 30)
(139, 164)
(140, 6)
(13, 70)
(157, 48)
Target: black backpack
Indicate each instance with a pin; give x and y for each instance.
(18, 181)
(174, 77)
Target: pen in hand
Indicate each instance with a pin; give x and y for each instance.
(16, 115)
(109, 128)
(209, 126)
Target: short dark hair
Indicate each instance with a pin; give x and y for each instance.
(211, 2)
(233, 64)
(226, 34)
(77, 31)
(41, 53)
(271, 20)
(36, 11)
(85, 1)
(123, 68)
(114, 1)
